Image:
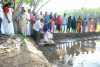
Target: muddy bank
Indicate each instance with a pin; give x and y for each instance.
(27, 55)
(62, 36)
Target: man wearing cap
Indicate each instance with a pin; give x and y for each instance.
(64, 21)
(36, 28)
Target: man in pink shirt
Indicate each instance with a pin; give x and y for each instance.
(32, 21)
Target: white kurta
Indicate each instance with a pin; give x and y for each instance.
(8, 27)
(28, 25)
(2, 28)
(48, 36)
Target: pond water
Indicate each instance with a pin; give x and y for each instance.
(74, 53)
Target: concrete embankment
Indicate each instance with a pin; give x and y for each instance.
(62, 36)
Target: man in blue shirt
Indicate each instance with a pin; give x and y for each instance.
(47, 28)
(46, 17)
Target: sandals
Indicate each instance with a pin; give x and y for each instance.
(2, 38)
(45, 42)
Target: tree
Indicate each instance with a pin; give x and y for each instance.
(35, 6)
(18, 8)
(43, 5)
(83, 12)
(14, 2)
(18, 4)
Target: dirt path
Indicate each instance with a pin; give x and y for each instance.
(28, 55)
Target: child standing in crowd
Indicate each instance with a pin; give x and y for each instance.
(59, 23)
(73, 24)
(84, 24)
(89, 25)
(69, 23)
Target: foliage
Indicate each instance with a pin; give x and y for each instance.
(30, 2)
(83, 12)
(12, 1)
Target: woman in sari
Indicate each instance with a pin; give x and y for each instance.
(94, 25)
(73, 24)
(7, 20)
(78, 25)
(22, 22)
(69, 23)
(59, 23)
(89, 25)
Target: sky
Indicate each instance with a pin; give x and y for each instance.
(60, 5)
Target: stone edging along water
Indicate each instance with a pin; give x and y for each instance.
(60, 36)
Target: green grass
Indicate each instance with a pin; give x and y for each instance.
(98, 29)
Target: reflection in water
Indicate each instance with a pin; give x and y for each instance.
(68, 52)
(77, 47)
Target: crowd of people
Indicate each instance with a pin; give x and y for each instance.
(30, 23)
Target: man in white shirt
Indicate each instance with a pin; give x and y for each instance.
(36, 28)
(64, 22)
(1, 17)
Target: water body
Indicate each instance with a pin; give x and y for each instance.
(74, 53)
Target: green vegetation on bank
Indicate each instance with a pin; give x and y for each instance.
(83, 12)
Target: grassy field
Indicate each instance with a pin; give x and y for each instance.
(98, 29)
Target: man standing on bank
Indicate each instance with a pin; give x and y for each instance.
(64, 22)
(50, 16)
(46, 17)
